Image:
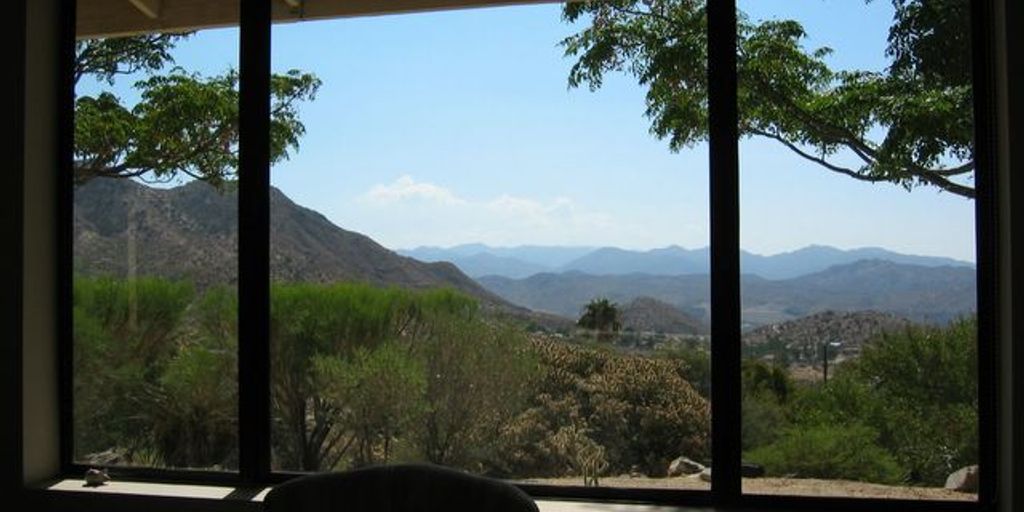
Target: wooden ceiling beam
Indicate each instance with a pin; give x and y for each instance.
(151, 8)
(112, 18)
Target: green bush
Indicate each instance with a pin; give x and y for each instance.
(846, 452)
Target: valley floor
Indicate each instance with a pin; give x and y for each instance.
(779, 486)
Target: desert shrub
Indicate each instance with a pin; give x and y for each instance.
(194, 410)
(762, 379)
(638, 410)
(916, 390)
(764, 419)
(478, 376)
(450, 376)
(925, 379)
(378, 394)
(195, 407)
(695, 366)
(311, 321)
(847, 452)
(124, 333)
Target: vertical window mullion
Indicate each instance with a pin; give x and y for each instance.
(725, 251)
(254, 242)
(12, 183)
(987, 226)
(65, 231)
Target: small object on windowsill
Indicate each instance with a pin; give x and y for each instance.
(96, 477)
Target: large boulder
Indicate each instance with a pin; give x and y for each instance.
(684, 466)
(109, 457)
(964, 479)
(705, 474)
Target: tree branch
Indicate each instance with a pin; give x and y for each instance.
(860, 147)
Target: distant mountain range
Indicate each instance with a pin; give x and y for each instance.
(123, 228)
(916, 292)
(478, 260)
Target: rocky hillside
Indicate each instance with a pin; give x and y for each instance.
(801, 339)
(122, 227)
(646, 314)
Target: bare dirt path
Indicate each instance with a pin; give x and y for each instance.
(779, 486)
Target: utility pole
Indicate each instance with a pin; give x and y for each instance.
(824, 358)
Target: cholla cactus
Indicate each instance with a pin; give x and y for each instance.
(582, 454)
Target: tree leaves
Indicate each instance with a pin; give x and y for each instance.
(911, 125)
(184, 126)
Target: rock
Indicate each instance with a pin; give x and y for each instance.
(964, 479)
(684, 466)
(96, 478)
(705, 474)
(751, 470)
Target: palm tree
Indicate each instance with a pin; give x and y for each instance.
(601, 315)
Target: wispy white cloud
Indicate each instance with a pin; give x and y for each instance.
(405, 188)
(408, 212)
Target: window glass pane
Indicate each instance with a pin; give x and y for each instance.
(155, 235)
(476, 266)
(859, 374)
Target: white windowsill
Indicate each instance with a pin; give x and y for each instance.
(213, 492)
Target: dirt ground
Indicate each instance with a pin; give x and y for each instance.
(779, 486)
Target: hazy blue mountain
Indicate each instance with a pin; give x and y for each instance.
(675, 260)
(815, 258)
(486, 264)
(479, 260)
(672, 260)
(916, 292)
(549, 257)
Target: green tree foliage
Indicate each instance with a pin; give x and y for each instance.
(925, 381)
(340, 351)
(603, 317)
(912, 394)
(768, 380)
(183, 124)
(766, 391)
(910, 124)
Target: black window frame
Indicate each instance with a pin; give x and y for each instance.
(723, 165)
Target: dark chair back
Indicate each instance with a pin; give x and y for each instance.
(397, 488)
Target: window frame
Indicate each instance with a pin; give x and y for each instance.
(723, 166)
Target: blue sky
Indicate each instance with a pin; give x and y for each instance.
(456, 127)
